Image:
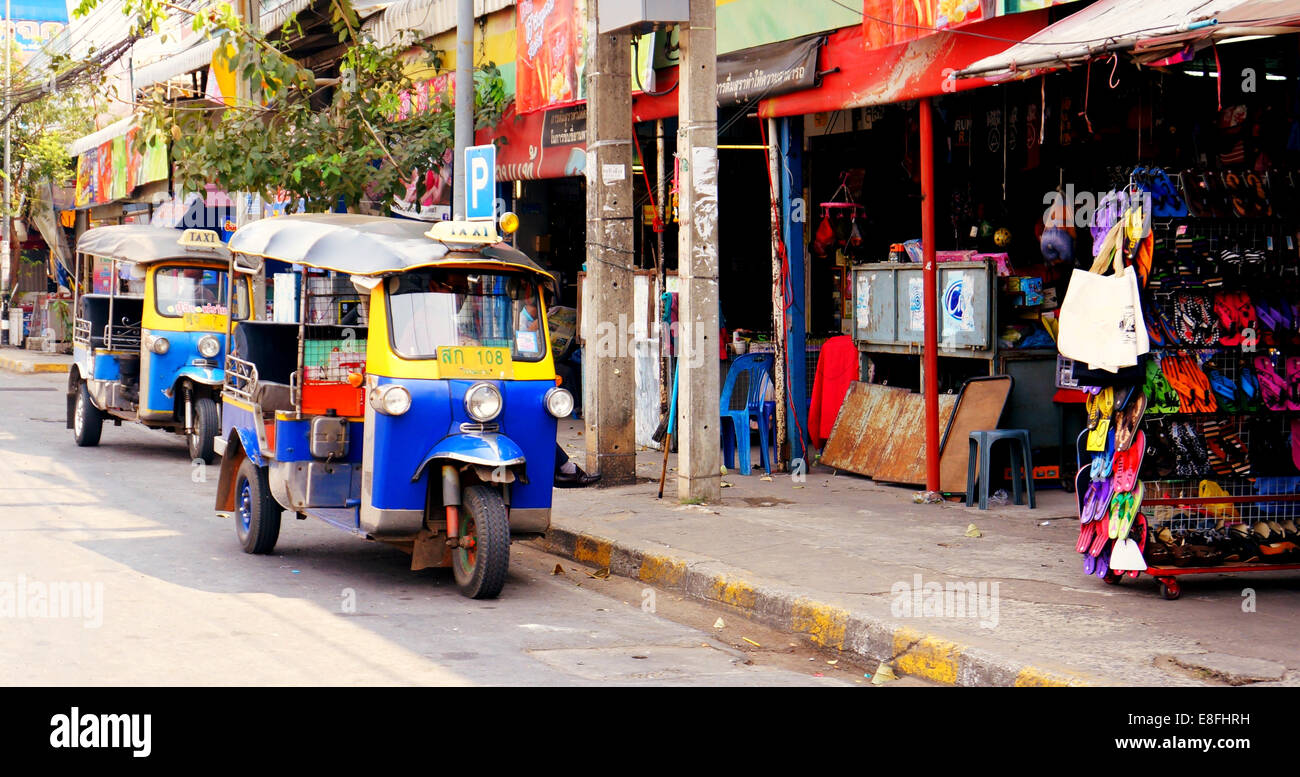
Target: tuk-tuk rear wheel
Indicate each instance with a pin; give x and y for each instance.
(87, 420)
(257, 514)
(206, 428)
(482, 559)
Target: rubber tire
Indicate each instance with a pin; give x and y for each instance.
(1113, 578)
(1170, 590)
(263, 512)
(92, 419)
(208, 426)
(483, 508)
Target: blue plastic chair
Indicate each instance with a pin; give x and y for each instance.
(742, 400)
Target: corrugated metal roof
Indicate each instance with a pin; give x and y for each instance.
(1111, 25)
(430, 17)
(86, 142)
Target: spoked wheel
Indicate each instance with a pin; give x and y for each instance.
(87, 420)
(206, 428)
(257, 514)
(482, 559)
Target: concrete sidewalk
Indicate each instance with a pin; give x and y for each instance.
(28, 362)
(843, 561)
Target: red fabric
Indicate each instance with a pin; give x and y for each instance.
(837, 367)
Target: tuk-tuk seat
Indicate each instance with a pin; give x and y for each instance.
(128, 312)
(271, 346)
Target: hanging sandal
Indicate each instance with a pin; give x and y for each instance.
(1129, 418)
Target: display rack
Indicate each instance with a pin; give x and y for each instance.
(1206, 471)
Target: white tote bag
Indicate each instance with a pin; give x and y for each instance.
(1101, 316)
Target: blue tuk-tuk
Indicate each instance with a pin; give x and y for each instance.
(149, 336)
(405, 391)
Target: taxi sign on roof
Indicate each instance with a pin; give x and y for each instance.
(200, 238)
(468, 232)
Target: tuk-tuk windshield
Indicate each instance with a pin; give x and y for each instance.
(181, 290)
(438, 307)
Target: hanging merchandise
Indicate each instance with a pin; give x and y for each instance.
(839, 224)
(1100, 312)
(1194, 465)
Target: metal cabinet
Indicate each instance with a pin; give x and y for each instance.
(888, 308)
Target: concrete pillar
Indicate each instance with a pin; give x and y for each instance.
(699, 457)
(609, 375)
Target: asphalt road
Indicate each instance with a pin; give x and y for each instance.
(170, 598)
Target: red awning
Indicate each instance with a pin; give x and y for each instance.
(906, 71)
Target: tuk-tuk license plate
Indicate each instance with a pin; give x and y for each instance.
(472, 362)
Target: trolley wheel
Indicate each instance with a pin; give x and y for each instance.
(1112, 577)
(257, 514)
(1169, 589)
(87, 420)
(482, 556)
(206, 428)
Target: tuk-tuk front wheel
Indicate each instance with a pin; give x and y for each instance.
(257, 514)
(206, 428)
(87, 420)
(482, 556)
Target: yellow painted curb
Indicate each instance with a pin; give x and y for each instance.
(1032, 677)
(734, 592)
(824, 625)
(661, 570)
(592, 550)
(924, 656)
(50, 367)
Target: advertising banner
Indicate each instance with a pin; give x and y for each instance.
(887, 22)
(551, 61)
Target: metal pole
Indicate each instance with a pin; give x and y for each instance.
(661, 266)
(778, 291)
(931, 291)
(464, 101)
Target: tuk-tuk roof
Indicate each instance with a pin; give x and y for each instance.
(366, 245)
(144, 244)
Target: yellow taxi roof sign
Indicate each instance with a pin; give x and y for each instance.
(466, 232)
(200, 238)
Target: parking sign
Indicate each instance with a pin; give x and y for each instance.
(480, 182)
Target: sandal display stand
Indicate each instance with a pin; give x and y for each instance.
(1217, 455)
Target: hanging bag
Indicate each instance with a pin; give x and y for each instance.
(1101, 320)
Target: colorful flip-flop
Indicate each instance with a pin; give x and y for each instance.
(1128, 464)
(1098, 501)
(1102, 536)
(1087, 533)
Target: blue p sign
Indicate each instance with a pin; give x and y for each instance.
(480, 182)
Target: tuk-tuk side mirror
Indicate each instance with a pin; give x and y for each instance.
(249, 264)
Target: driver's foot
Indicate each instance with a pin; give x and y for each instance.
(575, 479)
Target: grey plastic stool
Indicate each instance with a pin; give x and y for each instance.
(1022, 459)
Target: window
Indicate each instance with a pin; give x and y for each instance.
(432, 308)
(181, 290)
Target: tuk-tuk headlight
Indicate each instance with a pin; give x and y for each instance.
(208, 346)
(559, 402)
(159, 345)
(483, 402)
(391, 399)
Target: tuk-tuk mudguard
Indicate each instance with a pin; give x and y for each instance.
(236, 419)
(403, 444)
(491, 450)
(207, 376)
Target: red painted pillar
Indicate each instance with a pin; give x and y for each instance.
(930, 273)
